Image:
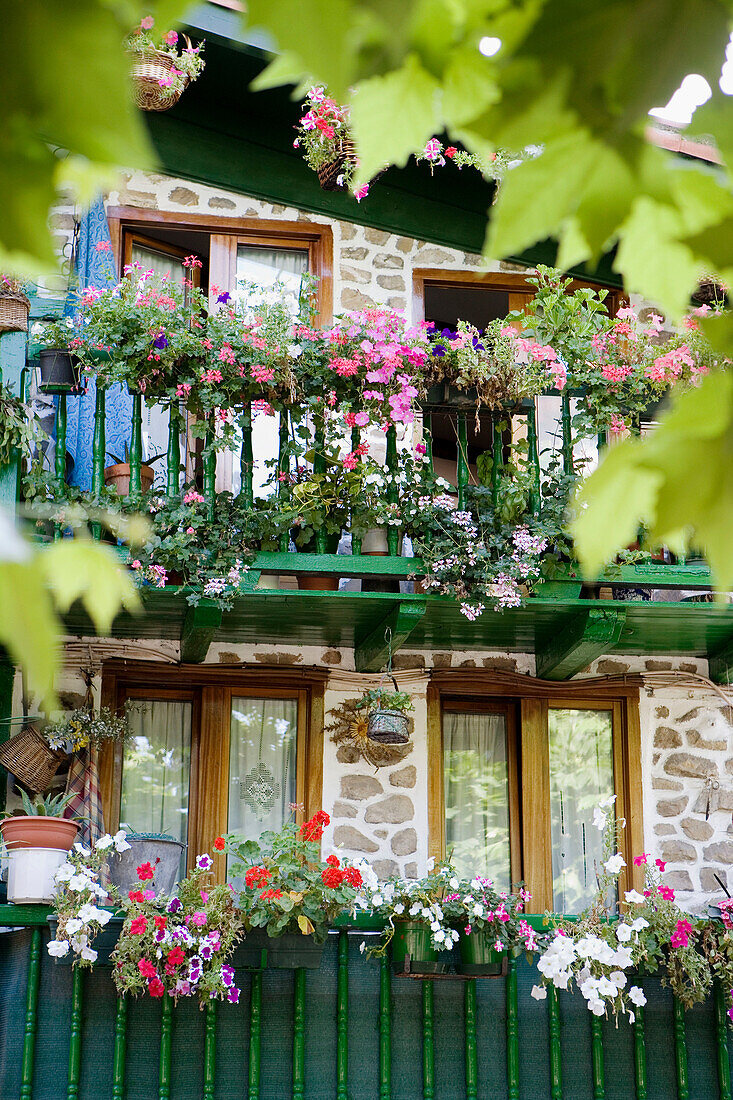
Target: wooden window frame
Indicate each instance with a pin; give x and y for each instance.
(132, 238)
(225, 233)
(514, 283)
(534, 699)
(211, 690)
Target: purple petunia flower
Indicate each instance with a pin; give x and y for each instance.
(227, 976)
(206, 951)
(233, 996)
(204, 862)
(160, 341)
(438, 350)
(175, 905)
(225, 297)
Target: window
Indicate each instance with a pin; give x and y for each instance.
(517, 767)
(212, 751)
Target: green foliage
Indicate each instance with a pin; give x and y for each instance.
(377, 699)
(44, 805)
(20, 428)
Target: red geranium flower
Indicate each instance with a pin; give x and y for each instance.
(313, 830)
(146, 969)
(270, 895)
(156, 988)
(138, 926)
(333, 861)
(257, 876)
(353, 876)
(145, 871)
(220, 844)
(333, 877)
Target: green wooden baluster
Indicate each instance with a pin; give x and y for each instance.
(428, 1053)
(553, 1009)
(355, 441)
(721, 1036)
(640, 1053)
(299, 1035)
(99, 450)
(427, 437)
(255, 1020)
(136, 446)
(173, 455)
(72, 1091)
(462, 464)
(602, 440)
(497, 454)
(246, 459)
(393, 534)
(166, 1048)
(282, 468)
(535, 498)
(59, 457)
(319, 467)
(471, 1051)
(118, 1058)
(567, 435)
(680, 1050)
(512, 1032)
(596, 1043)
(385, 1030)
(31, 1016)
(210, 1051)
(342, 1019)
(210, 471)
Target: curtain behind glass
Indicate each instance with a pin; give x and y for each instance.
(160, 263)
(262, 764)
(156, 768)
(581, 775)
(477, 795)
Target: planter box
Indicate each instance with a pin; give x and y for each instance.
(478, 957)
(104, 943)
(289, 952)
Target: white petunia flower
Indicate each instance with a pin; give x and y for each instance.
(607, 802)
(623, 933)
(614, 864)
(598, 1008)
(74, 925)
(58, 948)
(618, 978)
(539, 992)
(65, 872)
(640, 923)
(104, 842)
(634, 897)
(599, 819)
(399, 908)
(89, 953)
(636, 995)
(378, 899)
(120, 839)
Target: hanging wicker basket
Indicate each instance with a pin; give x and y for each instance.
(32, 761)
(331, 174)
(14, 309)
(388, 727)
(148, 70)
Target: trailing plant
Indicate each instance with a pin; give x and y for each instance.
(474, 907)
(84, 726)
(378, 699)
(410, 899)
(79, 899)
(20, 427)
(285, 886)
(189, 64)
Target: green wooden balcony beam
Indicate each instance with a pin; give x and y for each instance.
(347, 565)
(586, 637)
(197, 632)
(371, 652)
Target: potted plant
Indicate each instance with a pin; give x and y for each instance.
(37, 838)
(490, 926)
(288, 895)
(14, 305)
(20, 428)
(159, 851)
(325, 138)
(161, 71)
(387, 714)
(60, 357)
(75, 729)
(117, 475)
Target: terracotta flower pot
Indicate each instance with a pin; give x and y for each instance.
(39, 832)
(117, 477)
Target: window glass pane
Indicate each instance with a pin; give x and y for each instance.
(477, 795)
(156, 768)
(266, 266)
(262, 760)
(160, 263)
(581, 775)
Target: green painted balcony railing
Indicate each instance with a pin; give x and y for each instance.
(349, 1030)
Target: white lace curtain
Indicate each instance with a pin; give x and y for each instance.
(156, 768)
(262, 763)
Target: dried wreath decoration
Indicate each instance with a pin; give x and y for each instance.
(349, 727)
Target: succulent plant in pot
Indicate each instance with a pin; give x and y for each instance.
(37, 837)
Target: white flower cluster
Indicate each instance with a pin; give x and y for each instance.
(75, 877)
(396, 899)
(566, 959)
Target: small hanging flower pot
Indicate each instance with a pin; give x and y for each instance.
(160, 73)
(388, 721)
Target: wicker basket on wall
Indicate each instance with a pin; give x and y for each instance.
(147, 71)
(14, 309)
(330, 175)
(32, 761)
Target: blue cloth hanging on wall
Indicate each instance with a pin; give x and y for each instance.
(95, 267)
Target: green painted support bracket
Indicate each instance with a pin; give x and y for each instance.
(586, 637)
(370, 654)
(720, 663)
(197, 633)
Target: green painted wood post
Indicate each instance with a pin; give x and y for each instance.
(596, 1043)
(299, 1034)
(640, 1054)
(246, 457)
(210, 471)
(512, 1032)
(59, 451)
(282, 468)
(553, 1009)
(462, 463)
(385, 1030)
(77, 994)
(567, 435)
(319, 467)
(120, 1050)
(210, 1051)
(31, 1016)
(12, 365)
(342, 1019)
(99, 450)
(173, 454)
(136, 446)
(680, 1050)
(255, 1024)
(471, 1050)
(497, 455)
(721, 1036)
(166, 1047)
(355, 441)
(428, 1051)
(393, 533)
(535, 496)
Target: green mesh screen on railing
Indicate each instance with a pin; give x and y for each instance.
(347, 1031)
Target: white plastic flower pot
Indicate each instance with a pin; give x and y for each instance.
(31, 874)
